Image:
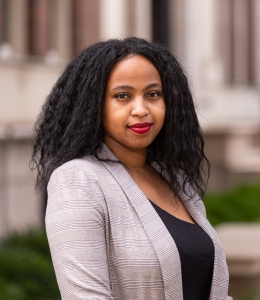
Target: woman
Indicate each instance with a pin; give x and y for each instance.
(120, 138)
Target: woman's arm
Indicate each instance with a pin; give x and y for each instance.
(76, 233)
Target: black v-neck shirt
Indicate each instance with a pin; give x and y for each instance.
(196, 252)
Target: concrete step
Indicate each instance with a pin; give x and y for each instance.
(241, 242)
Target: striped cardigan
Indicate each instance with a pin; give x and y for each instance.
(108, 242)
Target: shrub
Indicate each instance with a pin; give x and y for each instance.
(241, 204)
(26, 268)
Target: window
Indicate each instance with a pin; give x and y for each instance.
(42, 29)
(5, 46)
(160, 21)
(237, 40)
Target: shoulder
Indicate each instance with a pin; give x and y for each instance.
(77, 187)
(88, 165)
(80, 172)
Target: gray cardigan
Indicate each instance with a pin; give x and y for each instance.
(108, 242)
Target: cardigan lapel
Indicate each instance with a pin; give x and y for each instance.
(158, 234)
(196, 208)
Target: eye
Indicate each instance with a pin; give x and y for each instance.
(154, 94)
(122, 96)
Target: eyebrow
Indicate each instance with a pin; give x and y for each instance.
(129, 87)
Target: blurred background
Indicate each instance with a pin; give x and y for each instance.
(216, 41)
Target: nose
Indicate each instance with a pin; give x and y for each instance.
(139, 108)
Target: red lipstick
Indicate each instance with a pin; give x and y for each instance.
(141, 128)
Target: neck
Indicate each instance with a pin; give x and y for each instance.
(134, 159)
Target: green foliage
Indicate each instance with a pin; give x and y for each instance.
(241, 204)
(248, 294)
(26, 270)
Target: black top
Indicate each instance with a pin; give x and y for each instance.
(196, 252)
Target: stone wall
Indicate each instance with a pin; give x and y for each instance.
(21, 207)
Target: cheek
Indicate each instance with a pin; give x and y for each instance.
(161, 116)
(113, 124)
(164, 113)
(161, 111)
(109, 116)
(105, 122)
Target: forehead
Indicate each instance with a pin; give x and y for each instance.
(133, 68)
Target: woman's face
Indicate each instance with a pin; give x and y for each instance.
(134, 108)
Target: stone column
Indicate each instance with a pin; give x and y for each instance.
(257, 40)
(64, 29)
(201, 45)
(38, 30)
(18, 23)
(85, 23)
(176, 24)
(143, 22)
(241, 42)
(113, 18)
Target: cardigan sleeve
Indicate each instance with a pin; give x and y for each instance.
(75, 225)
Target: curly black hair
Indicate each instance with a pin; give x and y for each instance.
(70, 123)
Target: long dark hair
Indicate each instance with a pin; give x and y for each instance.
(70, 123)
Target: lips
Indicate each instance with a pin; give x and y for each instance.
(141, 128)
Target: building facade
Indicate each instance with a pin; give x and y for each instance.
(217, 43)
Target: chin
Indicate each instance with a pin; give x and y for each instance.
(139, 145)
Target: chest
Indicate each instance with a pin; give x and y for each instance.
(132, 259)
